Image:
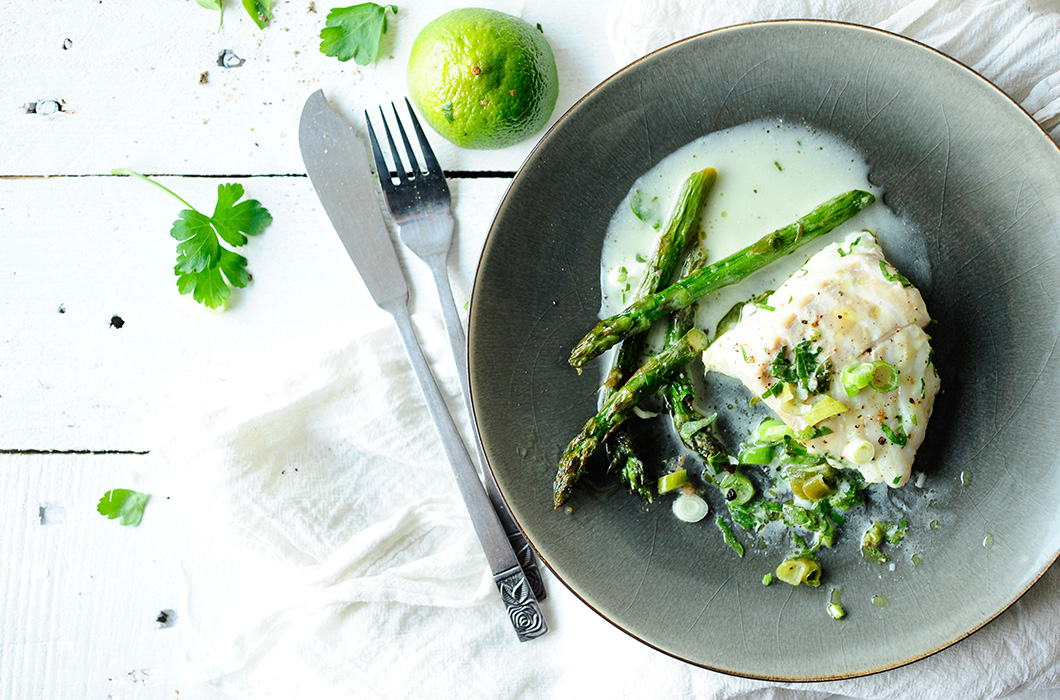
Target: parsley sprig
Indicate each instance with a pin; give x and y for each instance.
(355, 32)
(205, 268)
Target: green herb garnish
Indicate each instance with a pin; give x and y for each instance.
(124, 504)
(646, 211)
(259, 10)
(214, 5)
(355, 32)
(204, 267)
(850, 250)
(898, 437)
(730, 539)
(802, 370)
(896, 276)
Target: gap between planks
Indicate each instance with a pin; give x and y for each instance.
(12, 451)
(449, 174)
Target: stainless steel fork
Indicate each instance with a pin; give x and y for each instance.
(420, 205)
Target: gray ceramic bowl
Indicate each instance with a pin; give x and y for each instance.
(981, 182)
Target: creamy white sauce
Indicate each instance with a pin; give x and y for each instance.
(769, 173)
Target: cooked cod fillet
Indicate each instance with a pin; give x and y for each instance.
(855, 310)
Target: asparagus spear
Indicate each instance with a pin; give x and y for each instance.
(628, 464)
(691, 425)
(655, 373)
(677, 235)
(639, 315)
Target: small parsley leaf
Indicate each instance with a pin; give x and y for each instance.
(355, 32)
(205, 268)
(214, 5)
(124, 504)
(259, 10)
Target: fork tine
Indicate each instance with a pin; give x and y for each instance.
(381, 168)
(433, 167)
(408, 146)
(398, 164)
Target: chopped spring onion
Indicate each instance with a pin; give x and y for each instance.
(835, 608)
(799, 570)
(856, 377)
(756, 454)
(767, 579)
(873, 554)
(773, 430)
(690, 508)
(825, 408)
(880, 375)
(859, 451)
(812, 489)
(878, 533)
(737, 488)
(673, 480)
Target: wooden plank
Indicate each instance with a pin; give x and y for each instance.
(129, 79)
(78, 253)
(81, 594)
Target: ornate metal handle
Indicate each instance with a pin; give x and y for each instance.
(523, 608)
(458, 343)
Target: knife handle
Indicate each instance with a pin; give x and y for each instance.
(524, 611)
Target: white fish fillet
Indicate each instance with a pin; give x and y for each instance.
(844, 304)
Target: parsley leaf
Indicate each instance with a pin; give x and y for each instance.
(125, 504)
(355, 32)
(205, 268)
(259, 10)
(214, 5)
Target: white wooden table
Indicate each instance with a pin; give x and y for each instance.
(97, 348)
(95, 341)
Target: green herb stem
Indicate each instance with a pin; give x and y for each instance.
(126, 171)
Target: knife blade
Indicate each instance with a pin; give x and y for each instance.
(339, 170)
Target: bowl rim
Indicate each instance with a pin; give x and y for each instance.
(533, 154)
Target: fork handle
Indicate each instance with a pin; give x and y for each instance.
(522, 606)
(458, 342)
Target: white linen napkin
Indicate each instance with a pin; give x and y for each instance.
(353, 570)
